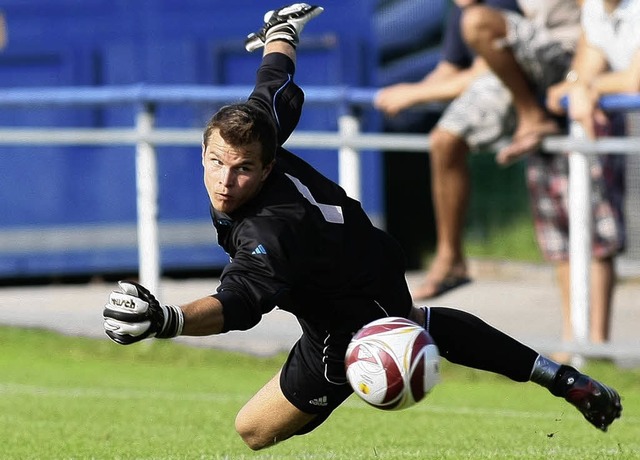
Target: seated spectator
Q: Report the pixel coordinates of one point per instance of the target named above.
(528, 54)
(478, 115)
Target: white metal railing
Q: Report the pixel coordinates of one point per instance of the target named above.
(580, 238)
(348, 140)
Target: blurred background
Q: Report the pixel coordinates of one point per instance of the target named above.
(70, 211)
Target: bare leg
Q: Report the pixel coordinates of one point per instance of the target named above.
(602, 283)
(450, 190)
(563, 274)
(269, 418)
(482, 28)
(603, 279)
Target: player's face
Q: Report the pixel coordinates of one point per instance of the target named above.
(232, 175)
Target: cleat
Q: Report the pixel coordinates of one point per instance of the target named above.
(599, 403)
(285, 24)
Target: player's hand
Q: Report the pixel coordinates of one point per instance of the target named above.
(285, 23)
(133, 314)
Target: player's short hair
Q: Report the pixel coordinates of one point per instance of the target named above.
(242, 124)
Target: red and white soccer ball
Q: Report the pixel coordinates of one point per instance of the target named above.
(392, 363)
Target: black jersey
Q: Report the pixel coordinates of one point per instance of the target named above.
(301, 243)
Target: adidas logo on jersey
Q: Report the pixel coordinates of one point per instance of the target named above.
(259, 250)
(321, 401)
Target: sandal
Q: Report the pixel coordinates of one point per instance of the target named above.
(431, 289)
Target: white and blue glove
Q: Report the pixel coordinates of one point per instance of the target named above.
(133, 314)
(285, 23)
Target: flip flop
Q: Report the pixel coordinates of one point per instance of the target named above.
(445, 285)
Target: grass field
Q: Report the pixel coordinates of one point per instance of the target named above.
(77, 398)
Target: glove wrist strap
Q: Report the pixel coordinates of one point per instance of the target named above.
(284, 32)
(173, 322)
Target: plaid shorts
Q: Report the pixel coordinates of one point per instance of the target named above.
(548, 184)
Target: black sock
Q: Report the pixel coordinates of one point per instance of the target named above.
(563, 381)
(465, 339)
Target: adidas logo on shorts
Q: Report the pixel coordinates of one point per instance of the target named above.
(322, 401)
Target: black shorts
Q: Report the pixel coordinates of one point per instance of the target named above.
(313, 379)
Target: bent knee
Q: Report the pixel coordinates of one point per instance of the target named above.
(256, 435)
(476, 22)
(446, 146)
(440, 139)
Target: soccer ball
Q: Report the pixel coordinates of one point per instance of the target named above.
(392, 363)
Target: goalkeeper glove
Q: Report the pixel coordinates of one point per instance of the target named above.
(133, 314)
(285, 24)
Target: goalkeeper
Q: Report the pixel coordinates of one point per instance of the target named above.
(299, 243)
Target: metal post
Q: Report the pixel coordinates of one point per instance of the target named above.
(349, 158)
(147, 202)
(580, 235)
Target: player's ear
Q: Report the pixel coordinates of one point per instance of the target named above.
(203, 150)
(267, 169)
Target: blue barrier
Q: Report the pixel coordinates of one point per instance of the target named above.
(178, 94)
(170, 94)
(173, 94)
(627, 102)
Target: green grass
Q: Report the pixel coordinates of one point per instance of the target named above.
(499, 220)
(76, 398)
(513, 240)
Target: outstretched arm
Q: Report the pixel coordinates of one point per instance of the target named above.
(275, 90)
(446, 82)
